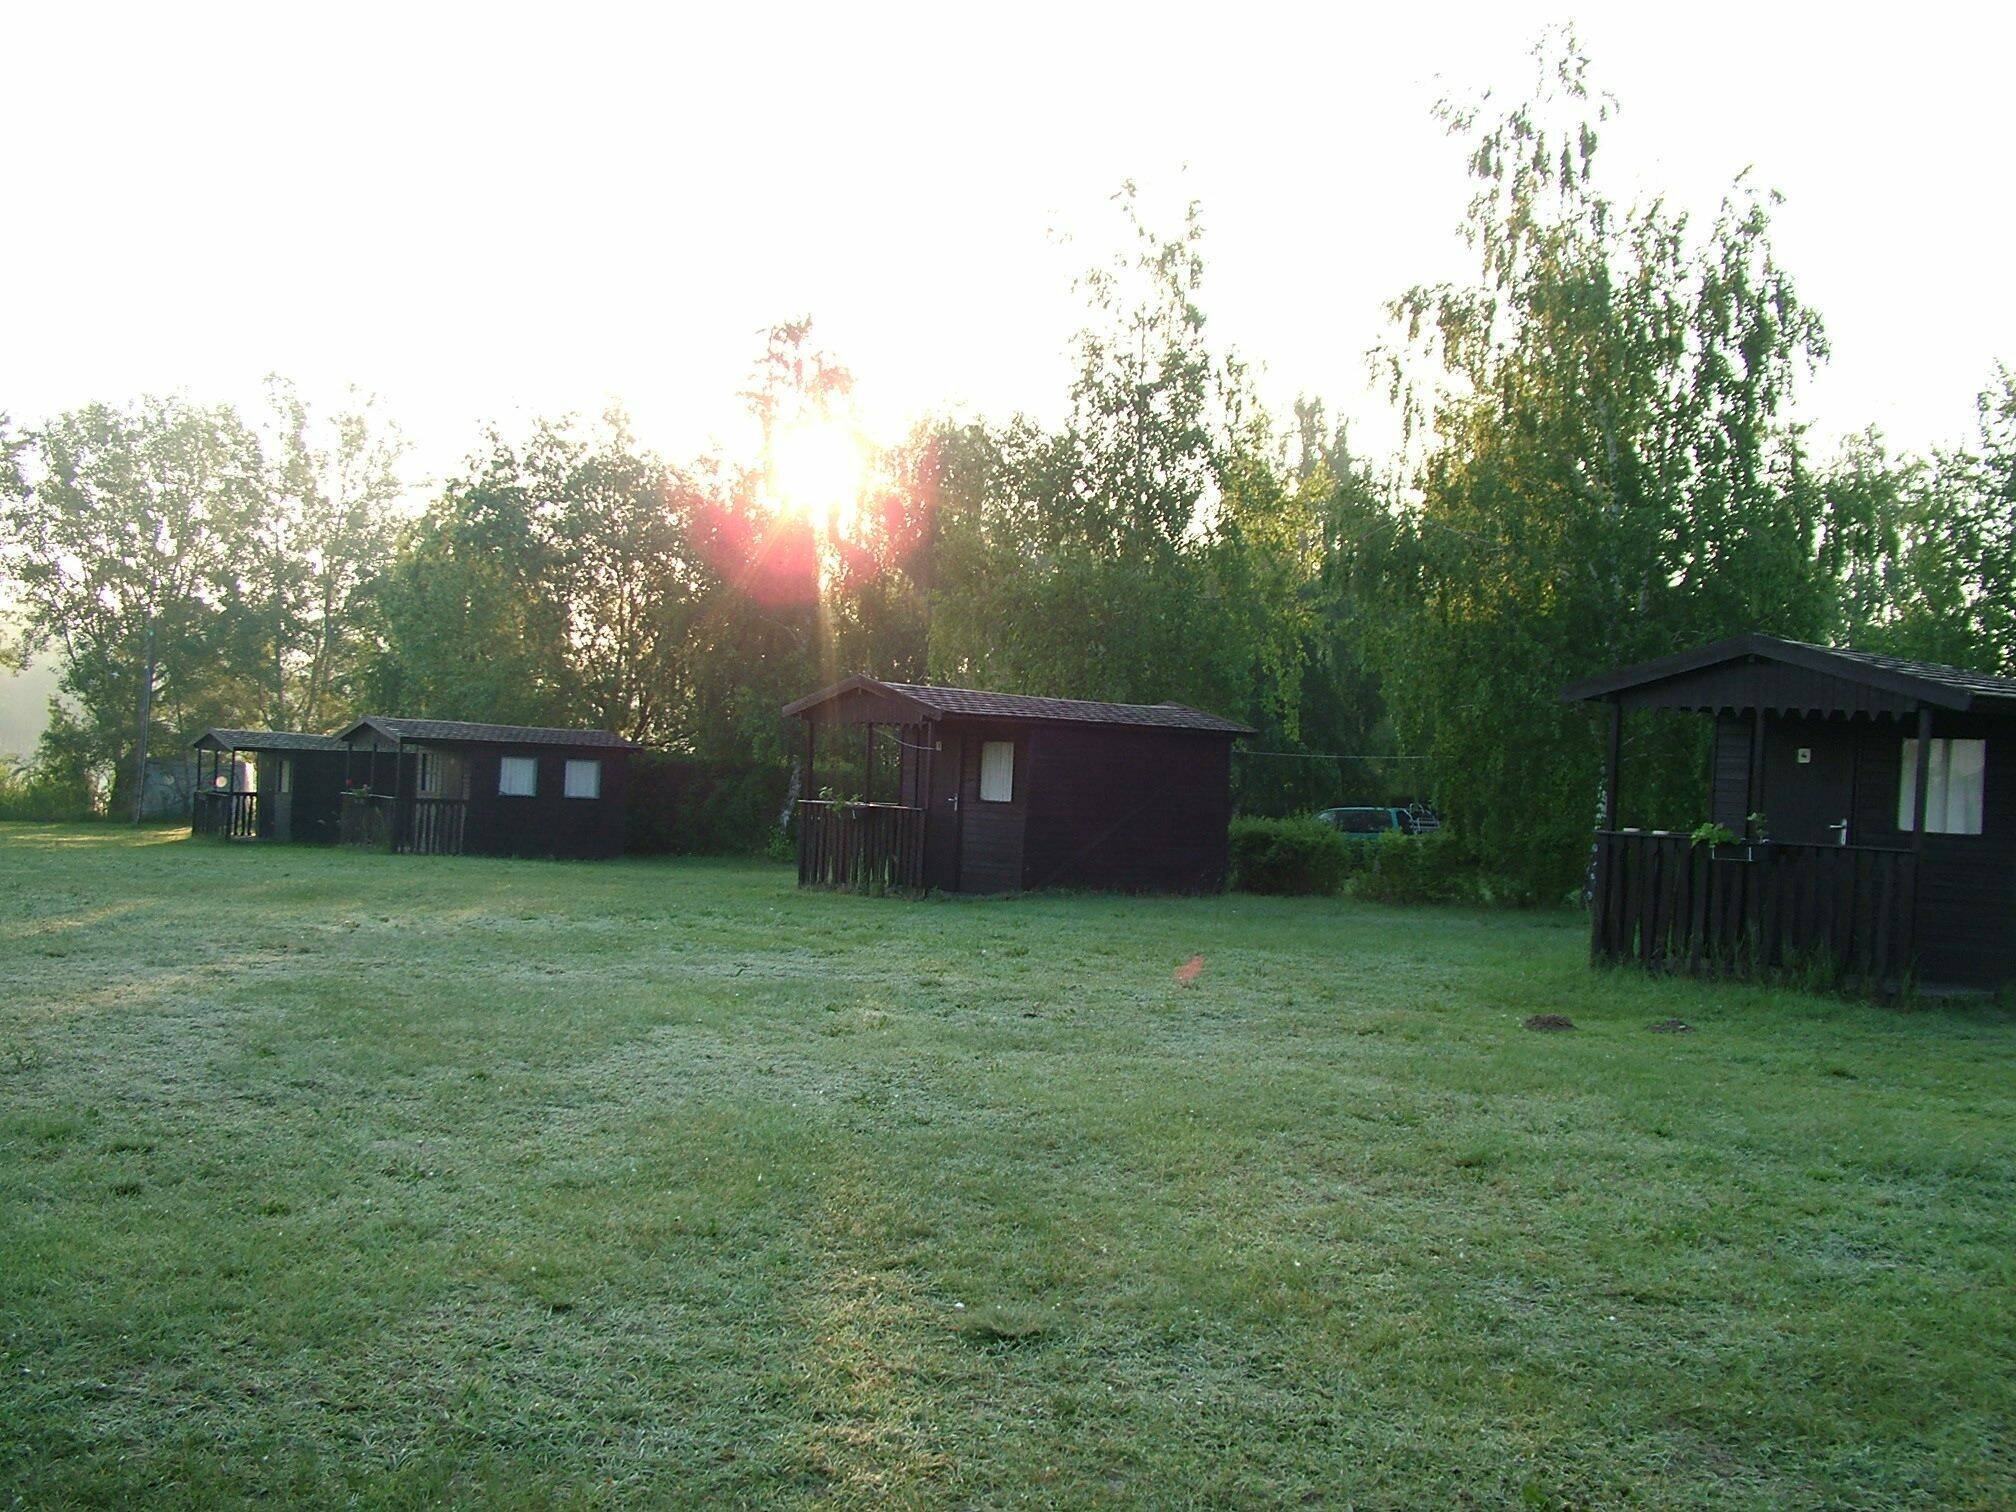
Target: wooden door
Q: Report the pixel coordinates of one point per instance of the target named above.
(283, 799)
(940, 779)
(1809, 801)
(990, 824)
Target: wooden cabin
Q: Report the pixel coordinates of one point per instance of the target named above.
(267, 785)
(1886, 847)
(1000, 792)
(445, 787)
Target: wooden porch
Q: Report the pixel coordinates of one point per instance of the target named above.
(861, 847)
(408, 826)
(225, 815)
(1839, 913)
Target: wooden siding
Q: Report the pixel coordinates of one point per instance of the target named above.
(1665, 902)
(1966, 884)
(548, 824)
(991, 835)
(1131, 810)
(1729, 802)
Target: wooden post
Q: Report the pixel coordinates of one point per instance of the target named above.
(811, 756)
(1756, 773)
(1924, 776)
(868, 762)
(398, 790)
(1612, 762)
(1909, 955)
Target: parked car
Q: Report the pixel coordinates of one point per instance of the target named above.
(1370, 823)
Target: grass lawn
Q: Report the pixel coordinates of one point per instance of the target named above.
(328, 1175)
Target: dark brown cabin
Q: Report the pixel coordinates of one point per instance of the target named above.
(1886, 847)
(999, 793)
(268, 785)
(445, 787)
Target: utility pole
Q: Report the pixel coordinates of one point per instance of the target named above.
(146, 718)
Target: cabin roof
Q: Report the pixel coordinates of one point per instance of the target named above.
(972, 703)
(217, 739)
(1928, 682)
(457, 731)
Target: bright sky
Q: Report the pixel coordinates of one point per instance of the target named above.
(493, 211)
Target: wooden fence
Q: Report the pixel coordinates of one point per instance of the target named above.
(366, 820)
(863, 847)
(1845, 913)
(228, 816)
(434, 826)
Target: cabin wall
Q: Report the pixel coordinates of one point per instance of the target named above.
(1128, 809)
(991, 836)
(1966, 919)
(318, 795)
(547, 824)
(1729, 792)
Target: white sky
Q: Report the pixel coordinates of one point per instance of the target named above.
(491, 211)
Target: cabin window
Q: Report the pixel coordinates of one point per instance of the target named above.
(518, 776)
(997, 771)
(1955, 776)
(430, 774)
(286, 775)
(584, 779)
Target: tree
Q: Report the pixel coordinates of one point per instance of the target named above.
(1149, 550)
(1610, 473)
(314, 556)
(122, 543)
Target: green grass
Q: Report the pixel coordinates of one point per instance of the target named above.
(330, 1176)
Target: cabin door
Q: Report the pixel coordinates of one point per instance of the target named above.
(941, 810)
(1810, 801)
(992, 785)
(283, 798)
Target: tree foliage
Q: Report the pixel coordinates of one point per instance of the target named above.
(1611, 471)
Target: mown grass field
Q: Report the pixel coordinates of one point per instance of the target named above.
(331, 1176)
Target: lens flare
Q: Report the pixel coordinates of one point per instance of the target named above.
(817, 472)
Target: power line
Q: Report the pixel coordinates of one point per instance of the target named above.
(1329, 755)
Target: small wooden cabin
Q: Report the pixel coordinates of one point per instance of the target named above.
(1886, 845)
(446, 787)
(267, 785)
(999, 792)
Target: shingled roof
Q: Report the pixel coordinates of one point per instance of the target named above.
(974, 703)
(452, 731)
(1929, 682)
(267, 740)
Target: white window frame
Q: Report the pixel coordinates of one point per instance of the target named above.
(593, 767)
(507, 764)
(997, 771)
(1956, 783)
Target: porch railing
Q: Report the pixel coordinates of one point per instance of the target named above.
(434, 826)
(862, 847)
(365, 819)
(228, 816)
(1839, 912)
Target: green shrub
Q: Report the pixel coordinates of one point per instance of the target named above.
(1428, 868)
(1288, 856)
(43, 794)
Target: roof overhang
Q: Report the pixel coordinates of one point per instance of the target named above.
(871, 690)
(1767, 648)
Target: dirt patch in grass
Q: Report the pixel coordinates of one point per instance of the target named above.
(1672, 1026)
(1545, 1021)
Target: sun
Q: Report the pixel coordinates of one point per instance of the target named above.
(817, 471)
